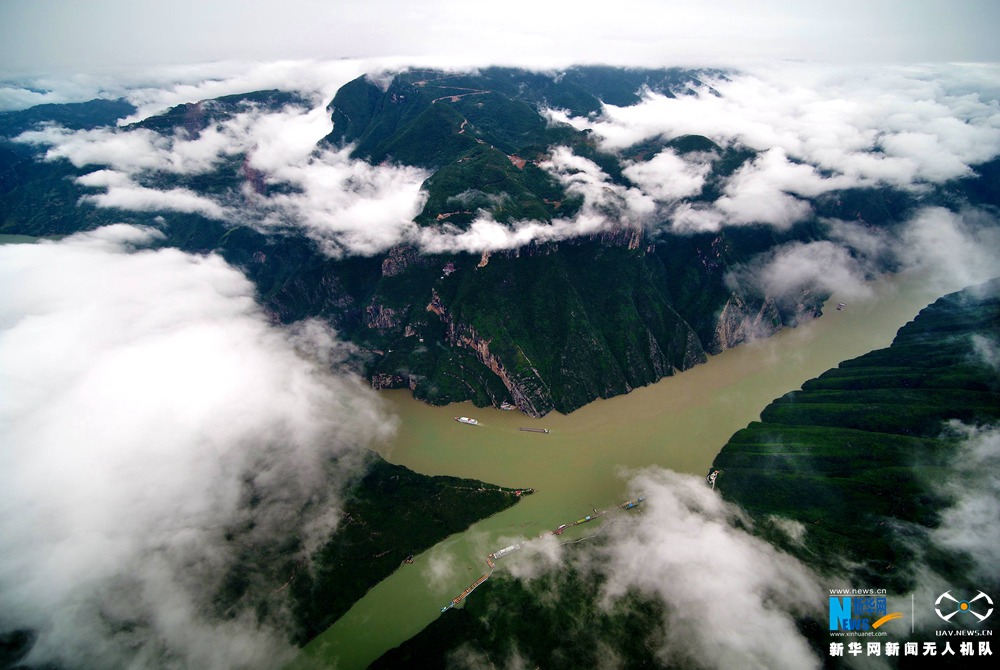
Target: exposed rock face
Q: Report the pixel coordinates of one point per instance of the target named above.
(529, 392)
(382, 318)
(741, 322)
(626, 236)
(254, 177)
(398, 259)
(382, 380)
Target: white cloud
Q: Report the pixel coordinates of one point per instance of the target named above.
(485, 234)
(951, 250)
(796, 268)
(731, 599)
(439, 569)
(347, 205)
(927, 123)
(132, 197)
(144, 395)
(817, 130)
(970, 524)
(273, 139)
(667, 176)
(601, 197)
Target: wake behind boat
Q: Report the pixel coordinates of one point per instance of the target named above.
(465, 419)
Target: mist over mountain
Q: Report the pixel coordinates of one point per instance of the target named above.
(236, 260)
(540, 238)
(878, 472)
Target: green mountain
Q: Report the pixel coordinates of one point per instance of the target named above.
(859, 456)
(389, 514)
(549, 325)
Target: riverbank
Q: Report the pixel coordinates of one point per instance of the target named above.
(679, 423)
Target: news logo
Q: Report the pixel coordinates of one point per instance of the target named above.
(952, 606)
(859, 613)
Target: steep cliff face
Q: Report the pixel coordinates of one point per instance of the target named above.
(556, 325)
(526, 387)
(398, 259)
(381, 318)
(740, 322)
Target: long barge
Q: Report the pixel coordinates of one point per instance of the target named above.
(464, 594)
(500, 553)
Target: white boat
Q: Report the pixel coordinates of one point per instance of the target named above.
(465, 419)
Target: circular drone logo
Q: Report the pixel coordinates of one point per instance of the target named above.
(963, 606)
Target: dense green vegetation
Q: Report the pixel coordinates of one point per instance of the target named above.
(858, 455)
(390, 514)
(553, 621)
(551, 325)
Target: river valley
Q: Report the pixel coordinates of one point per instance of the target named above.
(582, 464)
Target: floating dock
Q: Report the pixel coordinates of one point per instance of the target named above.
(464, 594)
(500, 553)
(506, 550)
(629, 504)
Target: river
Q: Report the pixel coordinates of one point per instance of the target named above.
(679, 423)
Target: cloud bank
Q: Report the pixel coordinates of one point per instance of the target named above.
(969, 525)
(730, 598)
(153, 425)
(807, 131)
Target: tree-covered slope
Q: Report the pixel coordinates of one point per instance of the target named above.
(548, 325)
(553, 621)
(862, 457)
(861, 454)
(389, 514)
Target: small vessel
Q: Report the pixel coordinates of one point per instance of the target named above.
(506, 550)
(841, 306)
(629, 504)
(467, 420)
(535, 430)
(506, 406)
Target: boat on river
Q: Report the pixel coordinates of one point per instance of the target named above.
(466, 420)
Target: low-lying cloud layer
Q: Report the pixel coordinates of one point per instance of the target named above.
(812, 130)
(147, 404)
(817, 130)
(732, 599)
(970, 524)
(729, 598)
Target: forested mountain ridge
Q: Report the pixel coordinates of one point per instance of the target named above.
(547, 324)
(865, 454)
(854, 475)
